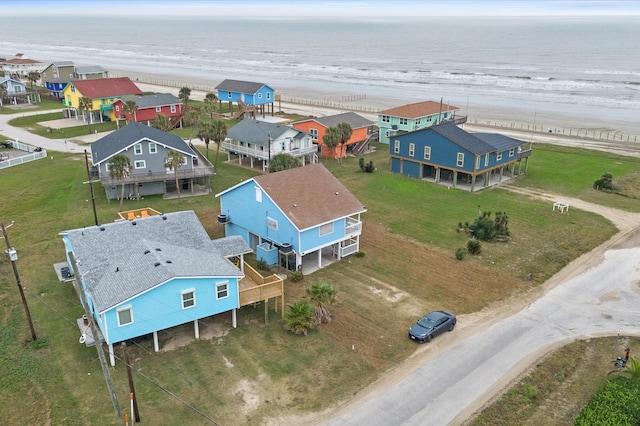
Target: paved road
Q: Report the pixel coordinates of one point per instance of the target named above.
(600, 298)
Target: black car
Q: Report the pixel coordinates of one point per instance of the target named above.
(431, 325)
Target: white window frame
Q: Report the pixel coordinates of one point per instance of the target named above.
(404, 121)
(259, 95)
(153, 148)
(272, 223)
(417, 122)
(427, 153)
(268, 95)
(325, 229)
(173, 108)
(460, 159)
(158, 109)
(313, 132)
(396, 146)
(258, 195)
(117, 108)
(499, 156)
(222, 287)
(123, 309)
(137, 149)
(412, 149)
(192, 299)
(386, 119)
(512, 151)
(140, 164)
(486, 160)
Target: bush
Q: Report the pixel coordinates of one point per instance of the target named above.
(296, 276)
(359, 254)
(605, 183)
(487, 229)
(262, 265)
(474, 247)
(368, 168)
(461, 253)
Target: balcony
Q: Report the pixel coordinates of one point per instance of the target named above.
(260, 153)
(352, 227)
(256, 288)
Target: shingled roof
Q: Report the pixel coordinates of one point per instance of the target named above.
(420, 109)
(150, 101)
(309, 195)
(106, 147)
(121, 260)
(258, 132)
(106, 87)
(462, 138)
(354, 120)
(239, 86)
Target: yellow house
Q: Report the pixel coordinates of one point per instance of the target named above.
(103, 92)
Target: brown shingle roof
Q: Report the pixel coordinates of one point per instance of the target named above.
(420, 109)
(309, 195)
(106, 87)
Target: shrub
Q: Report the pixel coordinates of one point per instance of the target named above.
(296, 276)
(461, 253)
(605, 183)
(474, 247)
(486, 229)
(262, 265)
(359, 254)
(368, 167)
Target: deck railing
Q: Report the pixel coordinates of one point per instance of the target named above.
(262, 154)
(266, 288)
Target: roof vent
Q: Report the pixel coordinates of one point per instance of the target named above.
(134, 223)
(158, 249)
(169, 261)
(102, 228)
(156, 264)
(337, 193)
(164, 217)
(147, 251)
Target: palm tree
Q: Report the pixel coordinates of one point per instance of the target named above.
(161, 122)
(321, 294)
(190, 119)
(120, 169)
(344, 134)
(3, 93)
(299, 317)
(331, 139)
(283, 161)
(631, 369)
(86, 105)
(184, 94)
(206, 134)
(173, 162)
(130, 107)
(219, 134)
(210, 103)
(33, 76)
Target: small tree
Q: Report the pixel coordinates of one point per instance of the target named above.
(33, 76)
(184, 94)
(173, 162)
(368, 167)
(605, 183)
(461, 253)
(130, 107)
(161, 122)
(86, 105)
(344, 134)
(486, 229)
(211, 103)
(120, 169)
(474, 247)
(283, 161)
(299, 317)
(321, 294)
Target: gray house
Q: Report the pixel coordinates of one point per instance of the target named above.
(148, 148)
(259, 140)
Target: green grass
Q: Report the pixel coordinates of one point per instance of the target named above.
(59, 381)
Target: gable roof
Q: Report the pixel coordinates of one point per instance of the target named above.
(90, 69)
(15, 82)
(354, 120)
(136, 256)
(258, 132)
(60, 64)
(499, 142)
(106, 87)
(309, 195)
(462, 138)
(151, 101)
(419, 109)
(113, 143)
(239, 86)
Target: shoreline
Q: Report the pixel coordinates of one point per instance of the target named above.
(319, 103)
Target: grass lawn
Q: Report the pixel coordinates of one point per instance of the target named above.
(259, 371)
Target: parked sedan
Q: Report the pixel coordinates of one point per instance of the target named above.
(431, 325)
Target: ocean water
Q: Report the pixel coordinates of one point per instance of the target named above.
(588, 66)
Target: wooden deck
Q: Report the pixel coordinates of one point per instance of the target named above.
(256, 288)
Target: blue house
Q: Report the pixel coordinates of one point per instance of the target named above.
(302, 217)
(153, 273)
(447, 154)
(257, 95)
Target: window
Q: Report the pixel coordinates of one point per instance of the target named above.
(427, 153)
(73, 89)
(499, 156)
(313, 133)
(417, 123)
(477, 162)
(140, 164)
(222, 290)
(188, 298)
(258, 195)
(137, 149)
(511, 152)
(404, 121)
(396, 146)
(385, 119)
(229, 95)
(259, 95)
(326, 229)
(460, 159)
(173, 108)
(153, 148)
(125, 316)
(486, 160)
(268, 95)
(117, 108)
(412, 149)
(158, 109)
(272, 224)
(388, 133)
(429, 119)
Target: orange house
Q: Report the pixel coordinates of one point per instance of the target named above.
(317, 128)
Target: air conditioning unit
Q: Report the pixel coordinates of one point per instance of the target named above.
(394, 127)
(223, 219)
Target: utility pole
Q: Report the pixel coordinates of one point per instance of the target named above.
(93, 196)
(13, 256)
(132, 390)
(97, 335)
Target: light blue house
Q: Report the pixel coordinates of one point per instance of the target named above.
(253, 94)
(16, 91)
(302, 217)
(447, 154)
(150, 274)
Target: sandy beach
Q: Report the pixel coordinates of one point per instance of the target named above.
(311, 102)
